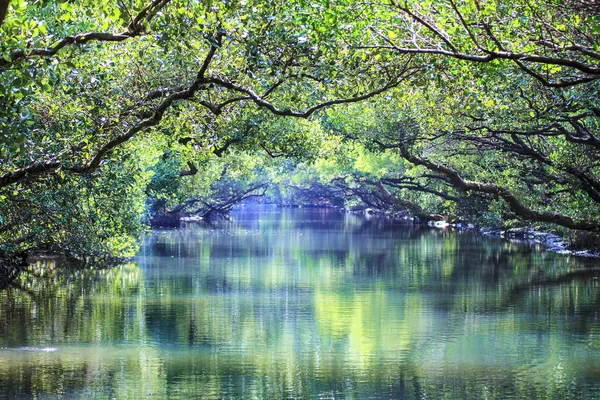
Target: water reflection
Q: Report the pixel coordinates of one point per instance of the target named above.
(308, 303)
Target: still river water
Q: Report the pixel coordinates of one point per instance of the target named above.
(308, 304)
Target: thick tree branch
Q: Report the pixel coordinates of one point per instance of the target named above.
(496, 55)
(414, 186)
(192, 170)
(261, 102)
(224, 205)
(516, 145)
(573, 56)
(496, 191)
(134, 29)
(219, 151)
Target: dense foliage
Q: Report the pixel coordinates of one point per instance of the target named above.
(485, 111)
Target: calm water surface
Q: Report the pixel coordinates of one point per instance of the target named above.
(308, 304)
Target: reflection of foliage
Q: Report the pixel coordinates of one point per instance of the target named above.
(43, 288)
(10, 269)
(251, 301)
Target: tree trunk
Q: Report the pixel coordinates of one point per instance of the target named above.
(3, 10)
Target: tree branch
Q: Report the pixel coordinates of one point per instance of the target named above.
(496, 191)
(261, 102)
(4, 4)
(54, 165)
(134, 29)
(193, 170)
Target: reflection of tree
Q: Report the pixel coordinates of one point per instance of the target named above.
(73, 309)
(81, 304)
(539, 281)
(277, 308)
(10, 268)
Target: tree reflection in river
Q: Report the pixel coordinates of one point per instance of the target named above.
(305, 303)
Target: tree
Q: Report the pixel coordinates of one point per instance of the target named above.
(84, 84)
(121, 107)
(554, 42)
(523, 127)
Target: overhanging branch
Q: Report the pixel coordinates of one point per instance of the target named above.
(42, 168)
(134, 29)
(496, 191)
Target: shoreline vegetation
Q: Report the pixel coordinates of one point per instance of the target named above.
(426, 126)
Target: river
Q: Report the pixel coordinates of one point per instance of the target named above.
(308, 303)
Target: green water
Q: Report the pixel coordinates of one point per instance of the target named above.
(308, 304)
